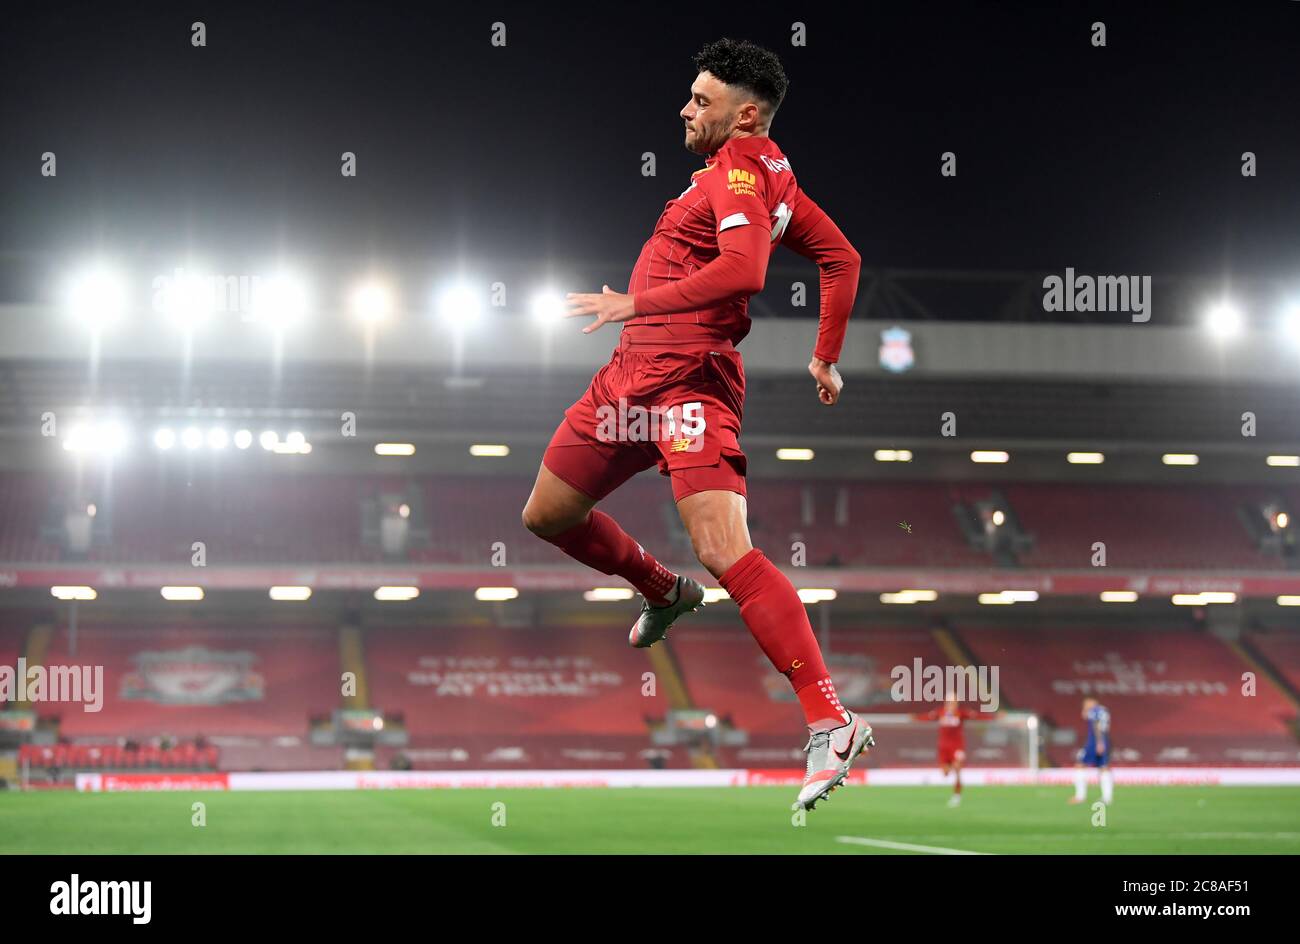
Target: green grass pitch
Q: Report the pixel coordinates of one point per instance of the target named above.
(688, 820)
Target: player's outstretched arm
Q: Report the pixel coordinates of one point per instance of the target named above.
(813, 235)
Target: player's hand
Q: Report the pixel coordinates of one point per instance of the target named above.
(829, 381)
(608, 307)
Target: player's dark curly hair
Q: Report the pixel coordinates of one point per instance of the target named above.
(742, 63)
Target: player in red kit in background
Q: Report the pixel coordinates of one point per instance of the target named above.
(952, 739)
(683, 314)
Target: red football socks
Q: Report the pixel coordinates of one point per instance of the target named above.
(776, 617)
(602, 545)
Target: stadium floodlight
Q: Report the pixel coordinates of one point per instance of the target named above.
(547, 307)
(1021, 596)
(186, 299)
(795, 455)
(907, 597)
(893, 455)
(279, 301)
(394, 449)
(182, 594)
(459, 305)
(495, 594)
(1119, 596)
(295, 439)
(1085, 458)
(999, 517)
(372, 302)
(496, 450)
(404, 510)
(1224, 320)
(816, 594)
(607, 594)
(192, 437)
(1289, 324)
(91, 510)
(269, 439)
(1284, 462)
(1281, 520)
(97, 297)
(1180, 458)
(1203, 598)
(994, 599)
(291, 594)
(990, 455)
(243, 439)
(103, 439)
(164, 438)
(925, 596)
(73, 593)
(218, 438)
(715, 594)
(1288, 599)
(396, 594)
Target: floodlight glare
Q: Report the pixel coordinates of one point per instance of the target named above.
(547, 307)
(1224, 320)
(186, 300)
(279, 301)
(459, 306)
(97, 297)
(372, 303)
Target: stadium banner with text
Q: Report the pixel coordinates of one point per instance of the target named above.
(753, 777)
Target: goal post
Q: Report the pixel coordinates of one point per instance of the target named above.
(1009, 740)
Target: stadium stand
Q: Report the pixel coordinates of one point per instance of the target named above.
(273, 519)
(187, 682)
(1172, 694)
(1282, 650)
(488, 697)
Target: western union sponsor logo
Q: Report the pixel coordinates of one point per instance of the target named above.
(736, 175)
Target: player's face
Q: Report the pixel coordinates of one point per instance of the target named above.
(709, 115)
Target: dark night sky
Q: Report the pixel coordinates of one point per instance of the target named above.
(1123, 159)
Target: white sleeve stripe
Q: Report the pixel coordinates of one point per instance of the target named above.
(736, 219)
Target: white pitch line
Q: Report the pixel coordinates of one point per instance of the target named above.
(904, 846)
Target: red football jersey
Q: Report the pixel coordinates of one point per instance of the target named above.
(747, 182)
(951, 736)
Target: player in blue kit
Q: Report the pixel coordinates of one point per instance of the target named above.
(1094, 753)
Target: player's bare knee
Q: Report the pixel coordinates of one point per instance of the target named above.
(539, 522)
(546, 522)
(715, 556)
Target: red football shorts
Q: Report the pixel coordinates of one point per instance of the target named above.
(948, 755)
(674, 404)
